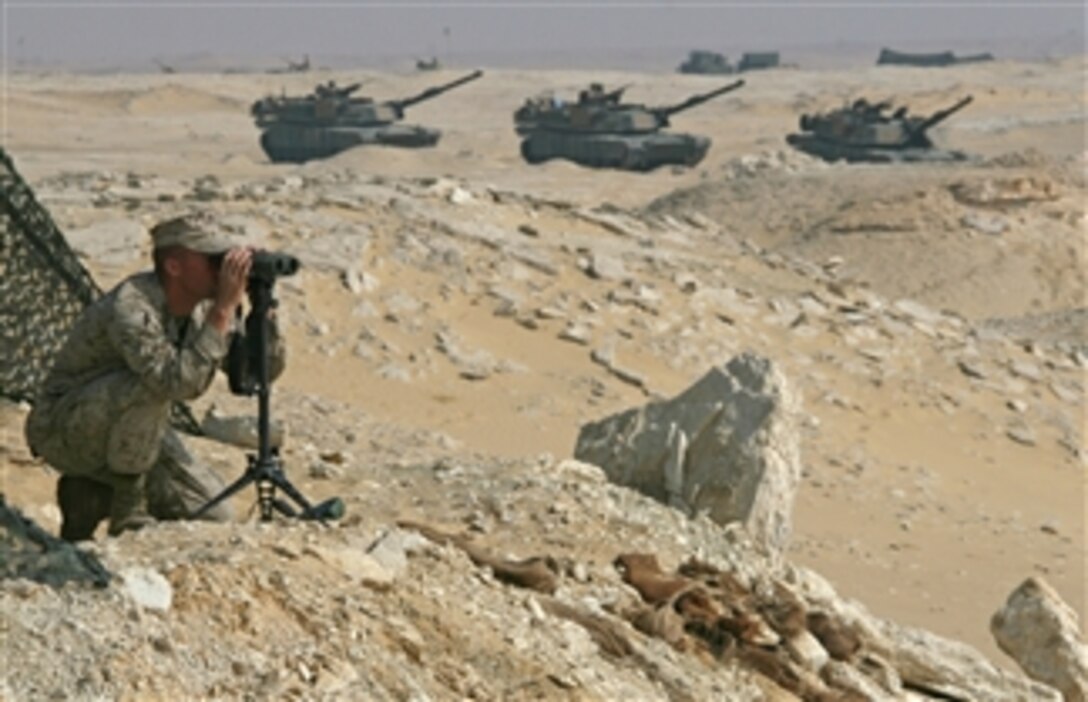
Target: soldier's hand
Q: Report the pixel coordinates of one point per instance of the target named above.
(233, 275)
(230, 290)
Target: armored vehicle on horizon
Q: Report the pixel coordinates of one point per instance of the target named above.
(330, 120)
(293, 66)
(706, 63)
(602, 131)
(864, 132)
(940, 58)
(758, 60)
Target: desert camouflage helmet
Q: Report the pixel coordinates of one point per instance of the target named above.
(197, 231)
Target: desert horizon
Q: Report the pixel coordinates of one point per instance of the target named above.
(814, 55)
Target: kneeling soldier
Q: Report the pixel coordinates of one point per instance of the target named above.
(102, 415)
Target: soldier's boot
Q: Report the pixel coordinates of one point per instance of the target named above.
(128, 509)
(83, 503)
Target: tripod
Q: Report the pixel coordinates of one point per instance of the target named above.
(249, 354)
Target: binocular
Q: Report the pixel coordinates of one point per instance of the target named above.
(267, 265)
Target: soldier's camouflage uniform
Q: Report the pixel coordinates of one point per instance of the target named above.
(105, 406)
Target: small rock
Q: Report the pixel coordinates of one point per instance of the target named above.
(987, 225)
(1017, 405)
(1026, 370)
(460, 196)
(604, 267)
(323, 470)
(971, 370)
(147, 588)
(1021, 434)
(575, 333)
(686, 282)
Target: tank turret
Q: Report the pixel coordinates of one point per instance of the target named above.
(866, 132)
(332, 119)
(600, 130)
(595, 94)
(321, 106)
(330, 89)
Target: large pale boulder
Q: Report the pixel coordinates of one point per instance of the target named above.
(728, 445)
(1042, 634)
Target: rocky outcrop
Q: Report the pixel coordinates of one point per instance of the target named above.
(805, 638)
(364, 609)
(1042, 634)
(924, 662)
(727, 446)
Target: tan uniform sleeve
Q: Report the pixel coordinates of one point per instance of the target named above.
(170, 372)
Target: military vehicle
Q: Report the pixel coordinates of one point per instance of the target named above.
(758, 60)
(706, 63)
(330, 120)
(427, 64)
(941, 58)
(293, 66)
(864, 132)
(602, 131)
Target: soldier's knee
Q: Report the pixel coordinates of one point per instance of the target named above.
(135, 439)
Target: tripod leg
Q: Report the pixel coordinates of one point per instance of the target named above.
(333, 508)
(234, 487)
(281, 481)
(284, 507)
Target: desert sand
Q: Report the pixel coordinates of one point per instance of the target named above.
(944, 451)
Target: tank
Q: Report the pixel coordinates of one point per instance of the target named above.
(331, 120)
(599, 130)
(865, 132)
(293, 66)
(706, 63)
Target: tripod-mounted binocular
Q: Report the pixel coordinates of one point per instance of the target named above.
(248, 372)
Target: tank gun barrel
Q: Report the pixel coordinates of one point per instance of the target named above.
(434, 91)
(348, 89)
(941, 115)
(666, 112)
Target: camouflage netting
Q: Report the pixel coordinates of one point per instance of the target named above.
(28, 551)
(43, 289)
(43, 286)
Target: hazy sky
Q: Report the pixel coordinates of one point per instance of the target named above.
(122, 31)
